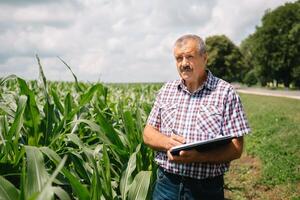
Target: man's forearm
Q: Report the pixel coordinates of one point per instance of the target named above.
(160, 142)
(154, 139)
(223, 154)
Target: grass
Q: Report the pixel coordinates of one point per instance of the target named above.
(272, 149)
(275, 138)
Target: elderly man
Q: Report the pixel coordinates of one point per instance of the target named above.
(197, 107)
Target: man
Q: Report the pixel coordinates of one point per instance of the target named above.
(200, 106)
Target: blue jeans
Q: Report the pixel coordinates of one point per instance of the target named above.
(173, 187)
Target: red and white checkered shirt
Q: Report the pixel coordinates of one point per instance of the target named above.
(214, 109)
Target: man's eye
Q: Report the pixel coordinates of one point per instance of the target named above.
(179, 59)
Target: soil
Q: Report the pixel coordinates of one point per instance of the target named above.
(242, 181)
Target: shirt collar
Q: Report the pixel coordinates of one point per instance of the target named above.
(210, 83)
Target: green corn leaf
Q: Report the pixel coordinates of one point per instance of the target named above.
(87, 96)
(123, 137)
(77, 187)
(140, 185)
(48, 107)
(107, 128)
(23, 179)
(9, 77)
(139, 121)
(50, 154)
(106, 176)
(67, 105)
(42, 75)
(3, 129)
(78, 88)
(47, 191)
(15, 128)
(19, 154)
(57, 101)
(18, 118)
(126, 178)
(62, 195)
(37, 175)
(129, 125)
(96, 191)
(75, 139)
(80, 167)
(32, 112)
(6, 109)
(48, 122)
(7, 190)
(95, 127)
(44, 81)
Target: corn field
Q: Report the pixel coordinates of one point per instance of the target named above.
(61, 140)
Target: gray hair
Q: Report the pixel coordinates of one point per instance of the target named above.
(183, 39)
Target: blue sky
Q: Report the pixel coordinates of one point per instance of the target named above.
(114, 40)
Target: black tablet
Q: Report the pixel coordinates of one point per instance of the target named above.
(203, 145)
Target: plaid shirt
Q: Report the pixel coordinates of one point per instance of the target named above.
(214, 109)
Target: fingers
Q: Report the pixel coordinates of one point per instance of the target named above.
(170, 156)
(183, 153)
(173, 140)
(184, 156)
(178, 159)
(178, 138)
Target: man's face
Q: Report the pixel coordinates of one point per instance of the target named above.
(190, 63)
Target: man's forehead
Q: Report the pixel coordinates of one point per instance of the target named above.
(188, 47)
(186, 42)
(183, 50)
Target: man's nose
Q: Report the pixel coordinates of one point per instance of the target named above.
(185, 61)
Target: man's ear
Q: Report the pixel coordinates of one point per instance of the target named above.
(205, 57)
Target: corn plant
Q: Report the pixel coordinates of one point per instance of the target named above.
(74, 140)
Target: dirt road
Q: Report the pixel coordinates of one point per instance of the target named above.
(269, 92)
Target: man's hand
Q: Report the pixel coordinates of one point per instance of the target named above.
(173, 141)
(221, 154)
(185, 156)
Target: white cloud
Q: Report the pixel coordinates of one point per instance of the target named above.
(237, 18)
(114, 40)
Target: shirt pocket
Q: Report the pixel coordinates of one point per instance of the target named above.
(168, 114)
(209, 122)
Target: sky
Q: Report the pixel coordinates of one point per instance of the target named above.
(114, 40)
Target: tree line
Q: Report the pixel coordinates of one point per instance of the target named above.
(270, 55)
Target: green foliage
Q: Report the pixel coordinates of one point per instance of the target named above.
(126, 178)
(250, 78)
(74, 140)
(36, 176)
(140, 185)
(274, 48)
(7, 190)
(225, 59)
(275, 124)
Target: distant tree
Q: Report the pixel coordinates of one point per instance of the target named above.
(274, 48)
(225, 59)
(294, 37)
(251, 72)
(250, 78)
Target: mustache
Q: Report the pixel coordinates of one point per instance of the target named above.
(185, 68)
